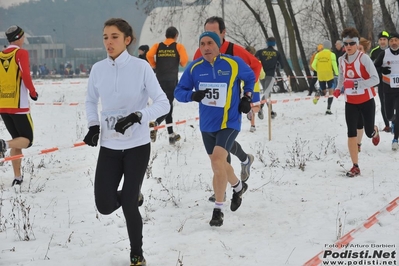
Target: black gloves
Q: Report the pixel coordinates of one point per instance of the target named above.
(91, 138)
(386, 70)
(126, 122)
(199, 95)
(34, 98)
(245, 104)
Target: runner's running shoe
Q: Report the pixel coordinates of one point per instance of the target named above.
(355, 171)
(136, 260)
(153, 132)
(395, 145)
(376, 137)
(217, 218)
(246, 168)
(237, 197)
(173, 138)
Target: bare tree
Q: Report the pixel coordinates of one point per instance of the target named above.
(302, 82)
(257, 16)
(306, 24)
(368, 24)
(386, 17)
(356, 10)
(341, 14)
(292, 47)
(329, 17)
(362, 15)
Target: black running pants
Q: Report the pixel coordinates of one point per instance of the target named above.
(111, 166)
(168, 87)
(392, 104)
(381, 95)
(355, 114)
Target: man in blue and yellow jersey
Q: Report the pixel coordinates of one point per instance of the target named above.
(164, 57)
(217, 25)
(15, 88)
(325, 64)
(216, 80)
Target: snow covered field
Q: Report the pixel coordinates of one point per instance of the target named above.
(288, 215)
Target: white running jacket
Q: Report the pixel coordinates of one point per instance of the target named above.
(123, 86)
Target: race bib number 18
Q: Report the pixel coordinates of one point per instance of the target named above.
(108, 121)
(216, 95)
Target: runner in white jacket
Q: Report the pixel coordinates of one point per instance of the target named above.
(123, 84)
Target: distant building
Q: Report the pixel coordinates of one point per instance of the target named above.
(43, 50)
(40, 47)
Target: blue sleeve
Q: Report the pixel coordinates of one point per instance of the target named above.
(184, 89)
(246, 74)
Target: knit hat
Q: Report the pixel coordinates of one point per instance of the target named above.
(327, 44)
(271, 41)
(144, 48)
(212, 35)
(383, 34)
(394, 35)
(320, 47)
(14, 33)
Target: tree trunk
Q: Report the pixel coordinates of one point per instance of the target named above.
(356, 11)
(329, 18)
(292, 27)
(257, 18)
(386, 17)
(367, 31)
(341, 14)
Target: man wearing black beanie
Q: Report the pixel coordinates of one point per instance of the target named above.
(143, 49)
(382, 45)
(16, 87)
(388, 64)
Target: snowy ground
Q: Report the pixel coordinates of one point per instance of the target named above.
(287, 217)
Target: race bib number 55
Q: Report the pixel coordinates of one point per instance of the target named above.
(216, 95)
(108, 121)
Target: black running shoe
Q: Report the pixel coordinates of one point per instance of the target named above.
(237, 197)
(174, 138)
(141, 199)
(17, 182)
(137, 260)
(217, 218)
(153, 132)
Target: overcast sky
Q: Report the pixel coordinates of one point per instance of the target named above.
(7, 3)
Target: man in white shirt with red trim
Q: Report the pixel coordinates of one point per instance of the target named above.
(388, 62)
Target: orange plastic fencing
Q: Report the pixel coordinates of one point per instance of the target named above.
(44, 151)
(351, 235)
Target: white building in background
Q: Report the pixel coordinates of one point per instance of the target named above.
(189, 30)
